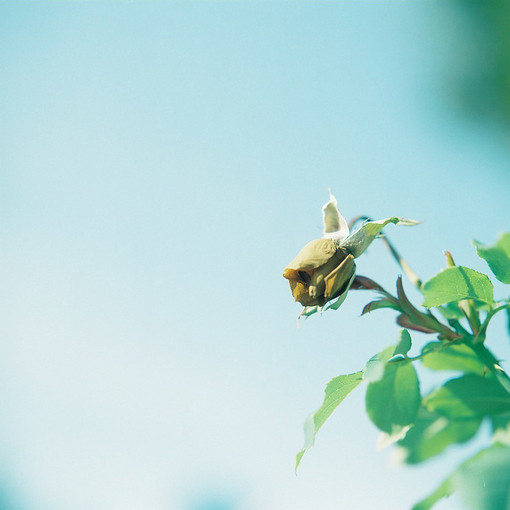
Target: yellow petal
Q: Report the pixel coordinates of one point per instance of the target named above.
(316, 253)
(301, 294)
(339, 278)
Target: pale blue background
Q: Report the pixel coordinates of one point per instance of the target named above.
(161, 163)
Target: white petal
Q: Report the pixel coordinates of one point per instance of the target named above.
(335, 226)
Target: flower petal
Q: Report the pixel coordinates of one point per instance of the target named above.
(335, 226)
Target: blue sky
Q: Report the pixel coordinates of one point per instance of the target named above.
(162, 162)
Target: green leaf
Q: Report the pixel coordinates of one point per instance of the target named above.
(453, 356)
(445, 490)
(404, 344)
(360, 240)
(455, 284)
(468, 397)
(336, 391)
(393, 401)
(501, 429)
(508, 320)
(433, 433)
(374, 368)
(497, 256)
(484, 482)
(452, 311)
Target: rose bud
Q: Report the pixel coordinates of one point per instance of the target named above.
(324, 269)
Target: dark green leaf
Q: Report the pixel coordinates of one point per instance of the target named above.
(501, 429)
(468, 397)
(497, 256)
(393, 401)
(453, 356)
(432, 433)
(484, 482)
(457, 283)
(452, 311)
(336, 391)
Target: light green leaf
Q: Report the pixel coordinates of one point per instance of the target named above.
(451, 311)
(360, 240)
(393, 401)
(455, 284)
(432, 433)
(445, 490)
(497, 256)
(484, 482)
(468, 397)
(454, 356)
(501, 429)
(336, 391)
(404, 344)
(374, 368)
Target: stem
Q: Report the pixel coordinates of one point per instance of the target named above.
(480, 337)
(440, 347)
(490, 362)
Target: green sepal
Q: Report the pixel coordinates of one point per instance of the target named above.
(360, 240)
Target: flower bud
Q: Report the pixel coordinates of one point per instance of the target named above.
(322, 271)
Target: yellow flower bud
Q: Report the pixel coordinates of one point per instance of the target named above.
(321, 271)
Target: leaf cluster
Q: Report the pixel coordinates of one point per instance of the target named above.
(458, 306)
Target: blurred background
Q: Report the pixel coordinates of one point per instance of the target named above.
(161, 163)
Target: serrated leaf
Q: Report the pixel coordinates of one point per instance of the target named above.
(454, 356)
(468, 397)
(393, 401)
(336, 391)
(360, 240)
(433, 433)
(455, 284)
(497, 257)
